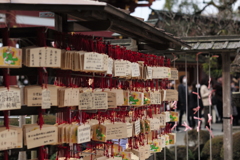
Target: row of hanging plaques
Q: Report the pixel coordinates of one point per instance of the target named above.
(82, 61)
(84, 98)
(32, 136)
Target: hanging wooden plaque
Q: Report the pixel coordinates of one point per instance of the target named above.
(10, 57)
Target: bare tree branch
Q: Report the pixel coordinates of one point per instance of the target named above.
(199, 12)
(219, 7)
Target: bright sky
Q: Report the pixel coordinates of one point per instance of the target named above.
(144, 12)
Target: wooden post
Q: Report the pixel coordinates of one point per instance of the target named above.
(61, 22)
(227, 127)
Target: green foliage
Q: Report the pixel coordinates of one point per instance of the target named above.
(169, 4)
(181, 153)
(217, 144)
(49, 119)
(193, 137)
(185, 6)
(236, 147)
(191, 154)
(169, 154)
(53, 157)
(215, 67)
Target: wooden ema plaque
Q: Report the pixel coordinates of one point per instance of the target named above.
(10, 57)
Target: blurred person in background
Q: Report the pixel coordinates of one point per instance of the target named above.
(205, 92)
(181, 105)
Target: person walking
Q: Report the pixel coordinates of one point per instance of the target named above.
(181, 105)
(205, 92)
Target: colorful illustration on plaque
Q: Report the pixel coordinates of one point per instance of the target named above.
(135, 99)
(147, 98)
(154, 147)
(174, 116)
(116, 149)
(147, 126)
(10, 56)
(169, 72)
(99, 133)
(132, 100)
(167, 143)
(126, 156)
(171, 138)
